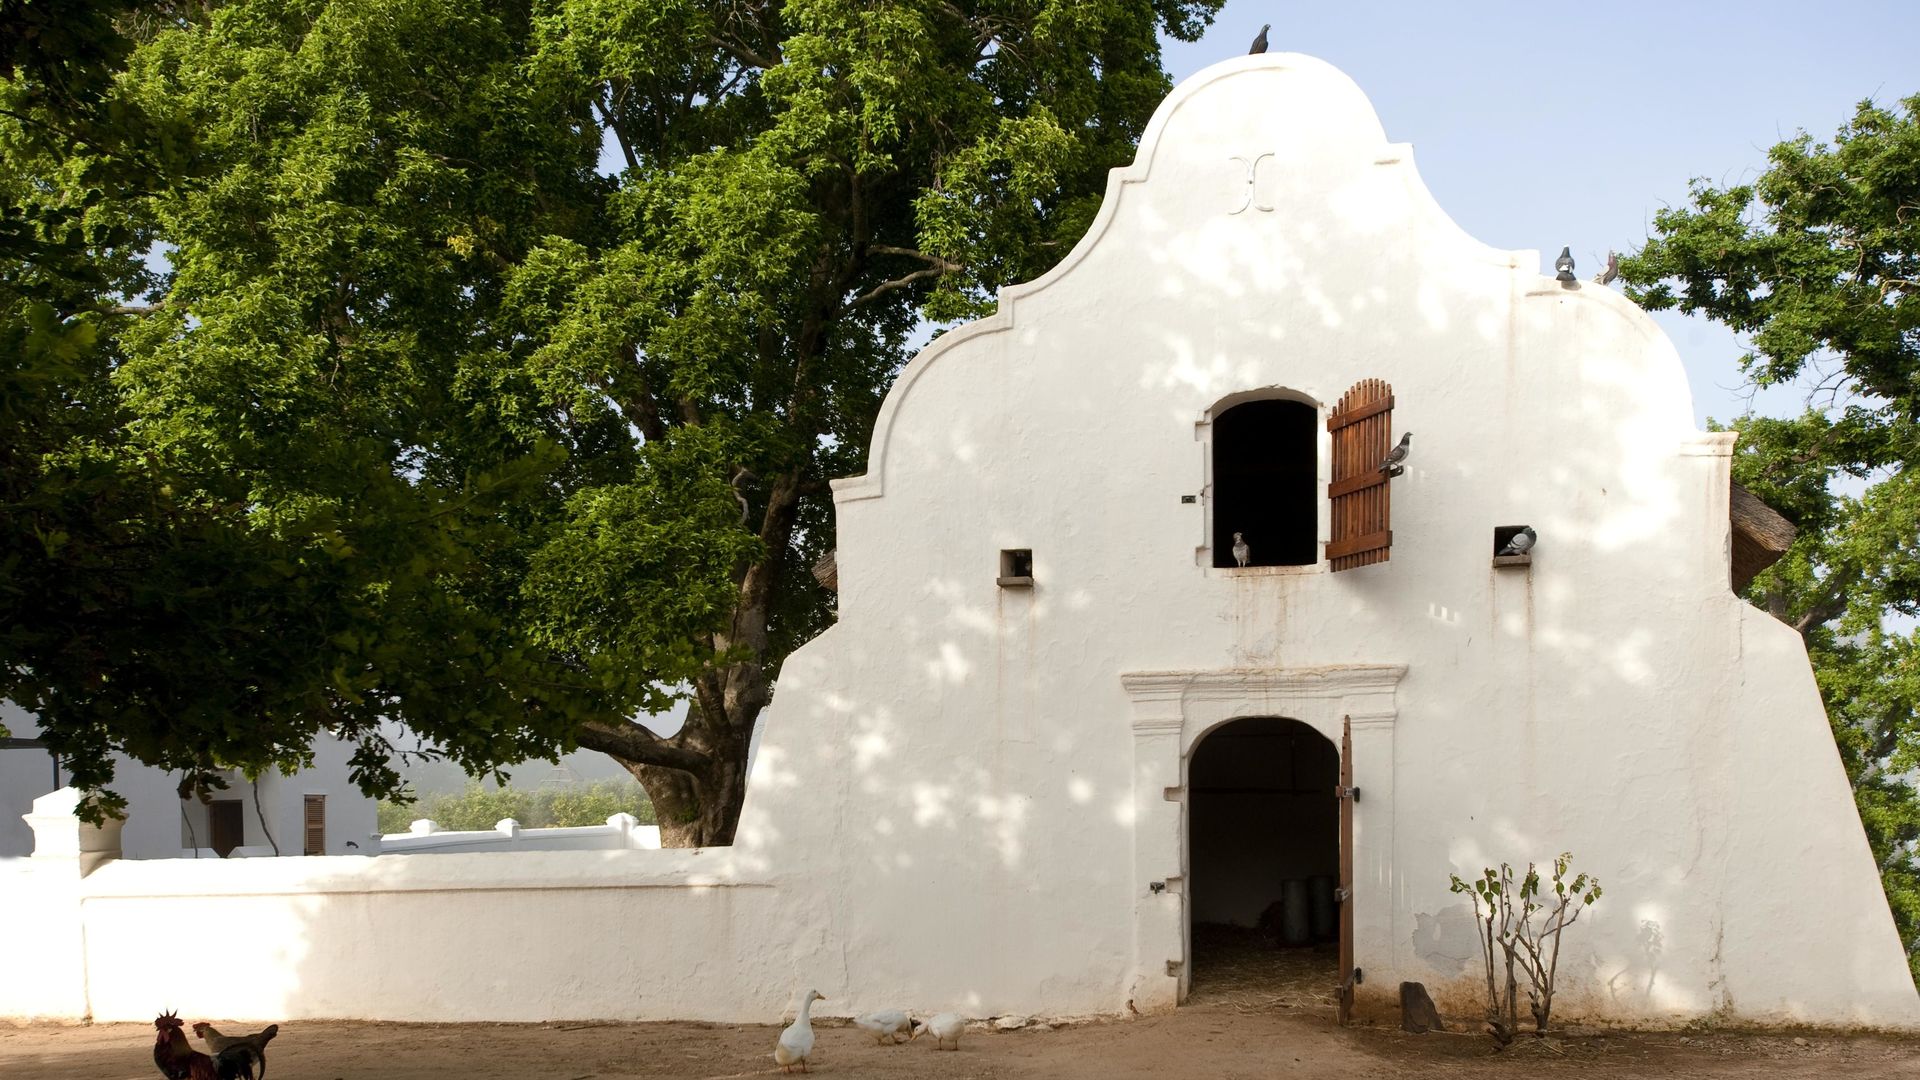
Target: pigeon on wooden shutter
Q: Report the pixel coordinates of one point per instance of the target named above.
(1362, 425)
(1391, 463)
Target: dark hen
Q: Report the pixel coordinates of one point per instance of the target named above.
(178, 1060)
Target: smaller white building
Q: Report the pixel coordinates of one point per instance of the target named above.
(317, 811)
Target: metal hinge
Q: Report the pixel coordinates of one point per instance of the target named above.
(1342, 895)
(1347, 793)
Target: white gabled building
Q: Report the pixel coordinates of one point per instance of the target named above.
(1056, 726)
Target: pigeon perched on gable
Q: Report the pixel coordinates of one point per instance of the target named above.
(1396, 455)
(1241, 552)
(1564, 267)
(1260, 42)
(1607, 276)
(1520, 543)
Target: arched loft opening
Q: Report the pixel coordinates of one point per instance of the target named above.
(1266, 482)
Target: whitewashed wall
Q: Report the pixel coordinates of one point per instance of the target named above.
(963, 794)
(532, 935)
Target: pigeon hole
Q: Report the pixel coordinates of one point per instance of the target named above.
(1263, 848)
(1502, 534)
(1016, 568)
(1266, 483)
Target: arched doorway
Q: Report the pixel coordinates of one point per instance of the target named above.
(1263, 852)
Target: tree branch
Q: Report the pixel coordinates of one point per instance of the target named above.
(1830, 606)
(900, 283)
(913, 253)
(605, 109)
(742, 53)
(634, 742)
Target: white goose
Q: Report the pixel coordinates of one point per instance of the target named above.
(887, 1025)
(796, 1042)
(946, 1028)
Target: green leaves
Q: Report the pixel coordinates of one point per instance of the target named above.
(479, 808)
(426, 420)
(1817, 260)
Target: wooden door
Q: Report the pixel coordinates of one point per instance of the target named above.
(1349, 974)
(1362, 428)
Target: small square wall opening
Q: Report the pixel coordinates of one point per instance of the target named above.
(1502, 536)
(1016, 568)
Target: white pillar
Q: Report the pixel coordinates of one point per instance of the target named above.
(59, 834)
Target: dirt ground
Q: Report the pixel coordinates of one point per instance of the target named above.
(1256, 1012)
(1215, 1040)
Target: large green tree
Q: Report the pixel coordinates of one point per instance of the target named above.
(1817, 264)
(512, 450)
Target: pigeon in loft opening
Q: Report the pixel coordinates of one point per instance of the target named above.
(1564, 264)
(1241, 552)
(1520, 543)
(1607, 276)
(1260, 42)
(1391, 464)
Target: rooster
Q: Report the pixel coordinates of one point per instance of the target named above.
(178, 1060)
(255, 1043)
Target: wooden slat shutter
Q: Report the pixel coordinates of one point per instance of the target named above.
(316, 822)
(1362, 427)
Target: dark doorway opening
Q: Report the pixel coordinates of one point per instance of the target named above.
(1266, 483)
(1263, 849)
(226, 819)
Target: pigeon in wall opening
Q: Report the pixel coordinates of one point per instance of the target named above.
(1520, 543)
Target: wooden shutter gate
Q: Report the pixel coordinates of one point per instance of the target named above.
(1362, 427)
(316, 826)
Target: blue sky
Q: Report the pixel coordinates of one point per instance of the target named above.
(1542, 125)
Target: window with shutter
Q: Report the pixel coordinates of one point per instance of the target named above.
(1362, 427)
(1266, 484)
(316, 826)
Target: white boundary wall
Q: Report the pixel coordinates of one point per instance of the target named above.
(620, 832)
(537, 935)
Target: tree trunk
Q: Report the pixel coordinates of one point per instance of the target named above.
(695, 809)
